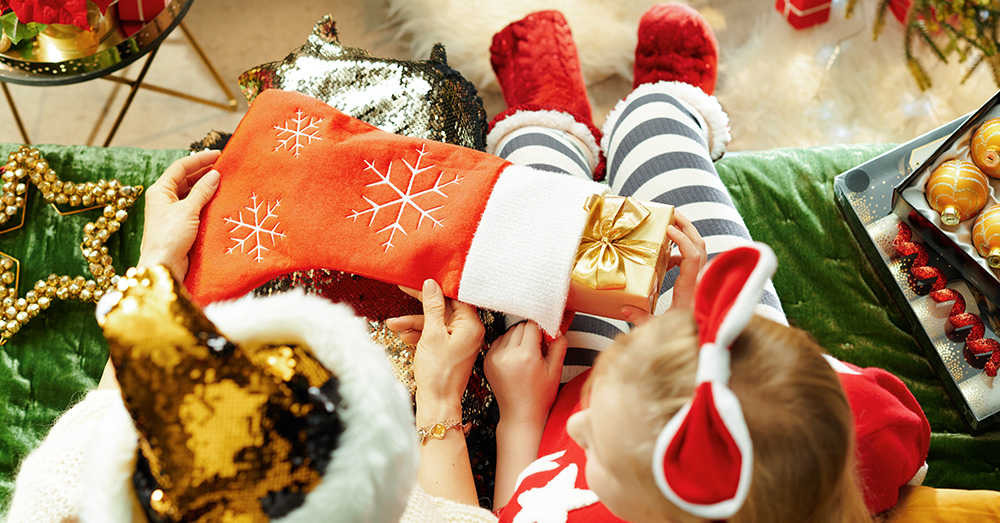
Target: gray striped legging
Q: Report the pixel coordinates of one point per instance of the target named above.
(656, 149)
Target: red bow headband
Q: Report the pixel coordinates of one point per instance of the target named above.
(703, 458)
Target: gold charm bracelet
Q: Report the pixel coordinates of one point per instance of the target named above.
(439, 429)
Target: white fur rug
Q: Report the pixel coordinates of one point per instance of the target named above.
(782, 87)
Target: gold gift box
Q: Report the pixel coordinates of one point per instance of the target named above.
(622, 257)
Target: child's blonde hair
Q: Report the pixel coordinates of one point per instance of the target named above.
(795, 408)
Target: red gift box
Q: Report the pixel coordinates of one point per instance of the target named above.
(140, 10)
(131, 28)
(804, 13)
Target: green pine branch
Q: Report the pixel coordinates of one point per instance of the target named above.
(966, 29)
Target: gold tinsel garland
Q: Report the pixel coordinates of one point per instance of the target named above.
(27, 165)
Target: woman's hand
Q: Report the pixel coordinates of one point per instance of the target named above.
(409, 327)
(449, 338)
(690, 256)
(173, 211)
(524, 375)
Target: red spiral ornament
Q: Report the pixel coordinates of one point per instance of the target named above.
(904, 245)
(957, 317)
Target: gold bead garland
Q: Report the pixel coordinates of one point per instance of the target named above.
(26, 165)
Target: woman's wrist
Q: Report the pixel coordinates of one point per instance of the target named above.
(148, 260)
(433, 411)
(442, 387)
(153, 258)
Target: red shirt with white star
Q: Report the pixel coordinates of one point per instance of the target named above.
(892, 435)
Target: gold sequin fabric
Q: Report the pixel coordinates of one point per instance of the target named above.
(227, 432)
(376, 301)
(420, 98)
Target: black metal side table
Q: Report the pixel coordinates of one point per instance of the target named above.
(61, 60)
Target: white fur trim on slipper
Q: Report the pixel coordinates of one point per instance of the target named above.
(550, 119)
(707, 107)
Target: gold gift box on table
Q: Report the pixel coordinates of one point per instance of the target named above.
(622, 257)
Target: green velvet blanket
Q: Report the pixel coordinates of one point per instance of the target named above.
(824, 280)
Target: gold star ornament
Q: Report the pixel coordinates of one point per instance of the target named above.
(25, 166)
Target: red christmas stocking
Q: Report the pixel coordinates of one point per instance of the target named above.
(305, 186)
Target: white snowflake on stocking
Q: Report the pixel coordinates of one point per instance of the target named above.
(255, 227)
(402, 199)
(298, 132)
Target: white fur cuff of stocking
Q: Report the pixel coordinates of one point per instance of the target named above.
(522, 254)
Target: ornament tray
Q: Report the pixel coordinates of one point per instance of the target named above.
(954, 243)
(866, 194)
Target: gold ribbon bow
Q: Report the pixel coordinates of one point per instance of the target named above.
(600, 259)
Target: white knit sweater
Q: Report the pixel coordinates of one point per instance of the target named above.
(49, 483)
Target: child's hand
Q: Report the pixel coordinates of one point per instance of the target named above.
(449, 338)
(690, 256)
(173, 211)
(691, 259)
(523, 377)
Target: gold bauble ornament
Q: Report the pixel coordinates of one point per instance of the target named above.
(986, 235)
(957, 190)
(985, 147)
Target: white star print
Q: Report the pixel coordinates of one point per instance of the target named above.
(553, 502)
(542, 464)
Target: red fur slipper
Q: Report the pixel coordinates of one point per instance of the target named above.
(676, 44)
(536, 63)
(538, 68)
